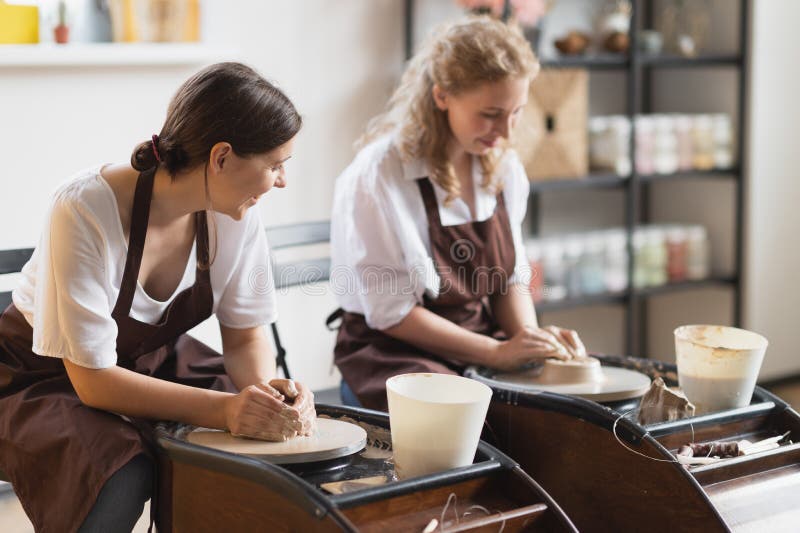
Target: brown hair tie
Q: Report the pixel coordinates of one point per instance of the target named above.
(155, 148)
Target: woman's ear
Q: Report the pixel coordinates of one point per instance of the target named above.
(219, 152)
(439, 97)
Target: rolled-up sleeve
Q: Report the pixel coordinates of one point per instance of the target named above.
(249, 298)
(72, 311)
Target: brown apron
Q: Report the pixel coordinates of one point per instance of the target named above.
(473, 261)
(57, 452)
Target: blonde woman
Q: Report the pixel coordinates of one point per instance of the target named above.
(429, 266)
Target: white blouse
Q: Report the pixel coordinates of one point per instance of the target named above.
(381, 264)
(70, 285)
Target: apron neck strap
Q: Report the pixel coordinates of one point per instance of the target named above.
(140, 215)
(201, 238)
(432, 207)
(429, 199)
(501, 200)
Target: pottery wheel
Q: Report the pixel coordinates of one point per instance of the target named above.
(332, 439)
(617, 384)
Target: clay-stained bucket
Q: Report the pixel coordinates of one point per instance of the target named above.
(436, 421)
(718, 365)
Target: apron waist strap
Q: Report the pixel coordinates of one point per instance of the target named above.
(333, 317)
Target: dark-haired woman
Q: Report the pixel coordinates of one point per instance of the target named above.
(132, 257)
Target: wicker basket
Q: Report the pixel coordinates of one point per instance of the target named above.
(551, 137)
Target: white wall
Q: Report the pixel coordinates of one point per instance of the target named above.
(337, 60)
(773, 255)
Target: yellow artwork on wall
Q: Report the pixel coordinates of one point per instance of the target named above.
(155, 20)
(19, 24)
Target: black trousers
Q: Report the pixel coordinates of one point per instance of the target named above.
(121, 500)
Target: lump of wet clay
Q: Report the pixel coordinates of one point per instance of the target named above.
(662, 404)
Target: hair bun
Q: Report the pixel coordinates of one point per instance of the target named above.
(143, 156)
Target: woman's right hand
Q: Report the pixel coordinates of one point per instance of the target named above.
(259, 412)
(528, 345)
(302, 400)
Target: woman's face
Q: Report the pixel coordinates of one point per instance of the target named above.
(480, 117)
(240, 181)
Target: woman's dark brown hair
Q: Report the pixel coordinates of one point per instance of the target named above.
(226, 102)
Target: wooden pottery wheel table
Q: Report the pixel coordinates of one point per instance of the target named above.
(205, 489)
(566, 443)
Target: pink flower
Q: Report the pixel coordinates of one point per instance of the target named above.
(529, 12)
(495, 6)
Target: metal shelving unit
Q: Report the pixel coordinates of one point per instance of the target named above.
(592, 181)
(725, 174)
(590, 62)
(638, 68)
(621, 297)
(667, 61)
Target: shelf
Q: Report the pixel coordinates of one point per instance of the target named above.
(614, 298)
(592, 181)
(617, 298)
(614, 181)
(621, 62)
(595, 62)
(714, 281)
(717, 173)
(109, 55)
(674, 61)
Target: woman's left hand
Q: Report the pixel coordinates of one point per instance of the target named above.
(301, 399)
(569, 339)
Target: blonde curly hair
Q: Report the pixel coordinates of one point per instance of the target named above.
(457, 57)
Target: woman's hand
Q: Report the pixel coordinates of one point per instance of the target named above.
(302, 400)
(569, 339)
(259, 412)
(532, 344)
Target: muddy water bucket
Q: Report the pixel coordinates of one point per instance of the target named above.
(436, 421)
(718, 365)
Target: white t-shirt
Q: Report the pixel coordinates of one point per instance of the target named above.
(381, 264)
(71, 283)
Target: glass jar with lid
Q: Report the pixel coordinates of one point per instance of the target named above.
(654, 255)
(697, 253)
(723, 141)
(702, 142)
(616, 260)
(592, 272)
(533, 249)
(573, 250)
(677, 246)
(683, 136)
(555, 274)
(620, 134)
(640, 266)
(598, 143)
(666, 145)
(645, 144)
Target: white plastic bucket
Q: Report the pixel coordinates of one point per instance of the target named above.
(436, 421)
(718, 365)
